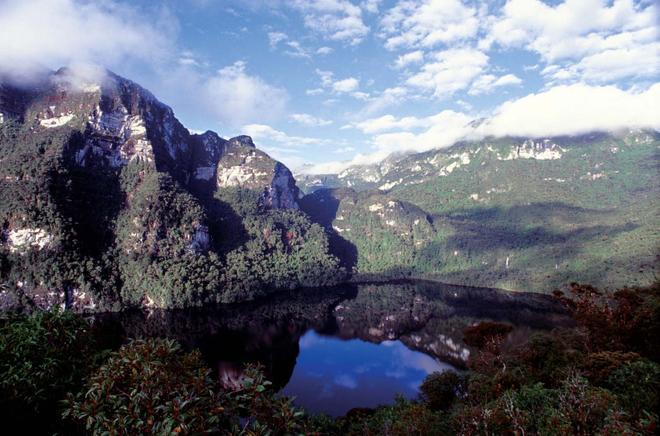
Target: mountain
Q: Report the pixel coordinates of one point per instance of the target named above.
(515, 213)
(108, 201)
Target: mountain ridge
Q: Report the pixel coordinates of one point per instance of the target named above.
(108, 201)
(513, 213)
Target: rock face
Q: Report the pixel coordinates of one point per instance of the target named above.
(244, 166)
(123, 122)
(88, 169)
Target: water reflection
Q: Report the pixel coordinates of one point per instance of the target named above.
(334, 375)
(349, 347)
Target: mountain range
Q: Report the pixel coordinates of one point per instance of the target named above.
(516, 213)
(108, 202)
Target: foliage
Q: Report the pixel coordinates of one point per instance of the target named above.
(595, 378)
(137, 235)
(441, 390)
(41, 358)
(402, 419)
(557, 383)
(149, 387)
(588, 215)
(153, 387)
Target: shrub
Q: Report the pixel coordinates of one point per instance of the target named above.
(441, 389)
(149, 387)
(403, 418)
(636, 384)
(41, 358)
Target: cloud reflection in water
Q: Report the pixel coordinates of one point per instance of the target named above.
(333, 375)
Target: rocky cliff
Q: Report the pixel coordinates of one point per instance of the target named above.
(121, 122)
(107, 200)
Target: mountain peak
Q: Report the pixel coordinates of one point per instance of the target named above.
(243, 140)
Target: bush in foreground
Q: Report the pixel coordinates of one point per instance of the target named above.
(42, 357)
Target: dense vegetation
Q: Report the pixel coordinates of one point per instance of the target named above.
(586, 210)
(600, 377)
(119, 237)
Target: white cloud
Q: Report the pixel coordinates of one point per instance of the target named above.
(270, 136)
(576, 109)
(349, 85)
(295, 49)
(561, 110)
(346, 85)
(371, 6)
(611, 65)
(338, 20)
(488, 82)
(592, 40)
(324, 50)
(346, 381)
(310, 120)
(280, 145)
(427, 23)
(360, 95)
(390, 122)
(449, 71)
(274, 38)
(55, 33)
(314, 91)
(447, 127)
(388, 98)
(414, 57)
(236, 97)
(344, 150)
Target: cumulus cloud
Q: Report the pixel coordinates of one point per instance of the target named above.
(293, 48)
(488, 82)
(53, 33)
(238, 97)
(413, 57)
(274, 38)
(610, 65)
(576, 109)
(427, 23)
(561, 110)
(594, 40)
(229, 97)
(338, 20)
(449, 71)
(390, 122)
(346, 85)
(349, 85)
(388, 98)
(310, 120)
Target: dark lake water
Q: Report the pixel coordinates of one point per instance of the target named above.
(341, 348)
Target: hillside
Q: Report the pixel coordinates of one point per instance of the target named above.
(107, 202)
(515, 213)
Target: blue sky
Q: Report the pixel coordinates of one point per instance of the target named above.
(331, 81)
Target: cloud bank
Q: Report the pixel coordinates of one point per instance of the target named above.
(39, 34)
(561, 110)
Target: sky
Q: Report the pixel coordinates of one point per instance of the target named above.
(321, 84)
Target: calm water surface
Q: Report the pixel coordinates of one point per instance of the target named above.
(358, 346)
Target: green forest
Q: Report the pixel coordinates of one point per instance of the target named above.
(520, 224)
(134, 236)
(60, 374)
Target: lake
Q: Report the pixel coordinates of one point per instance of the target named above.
(343, 348)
